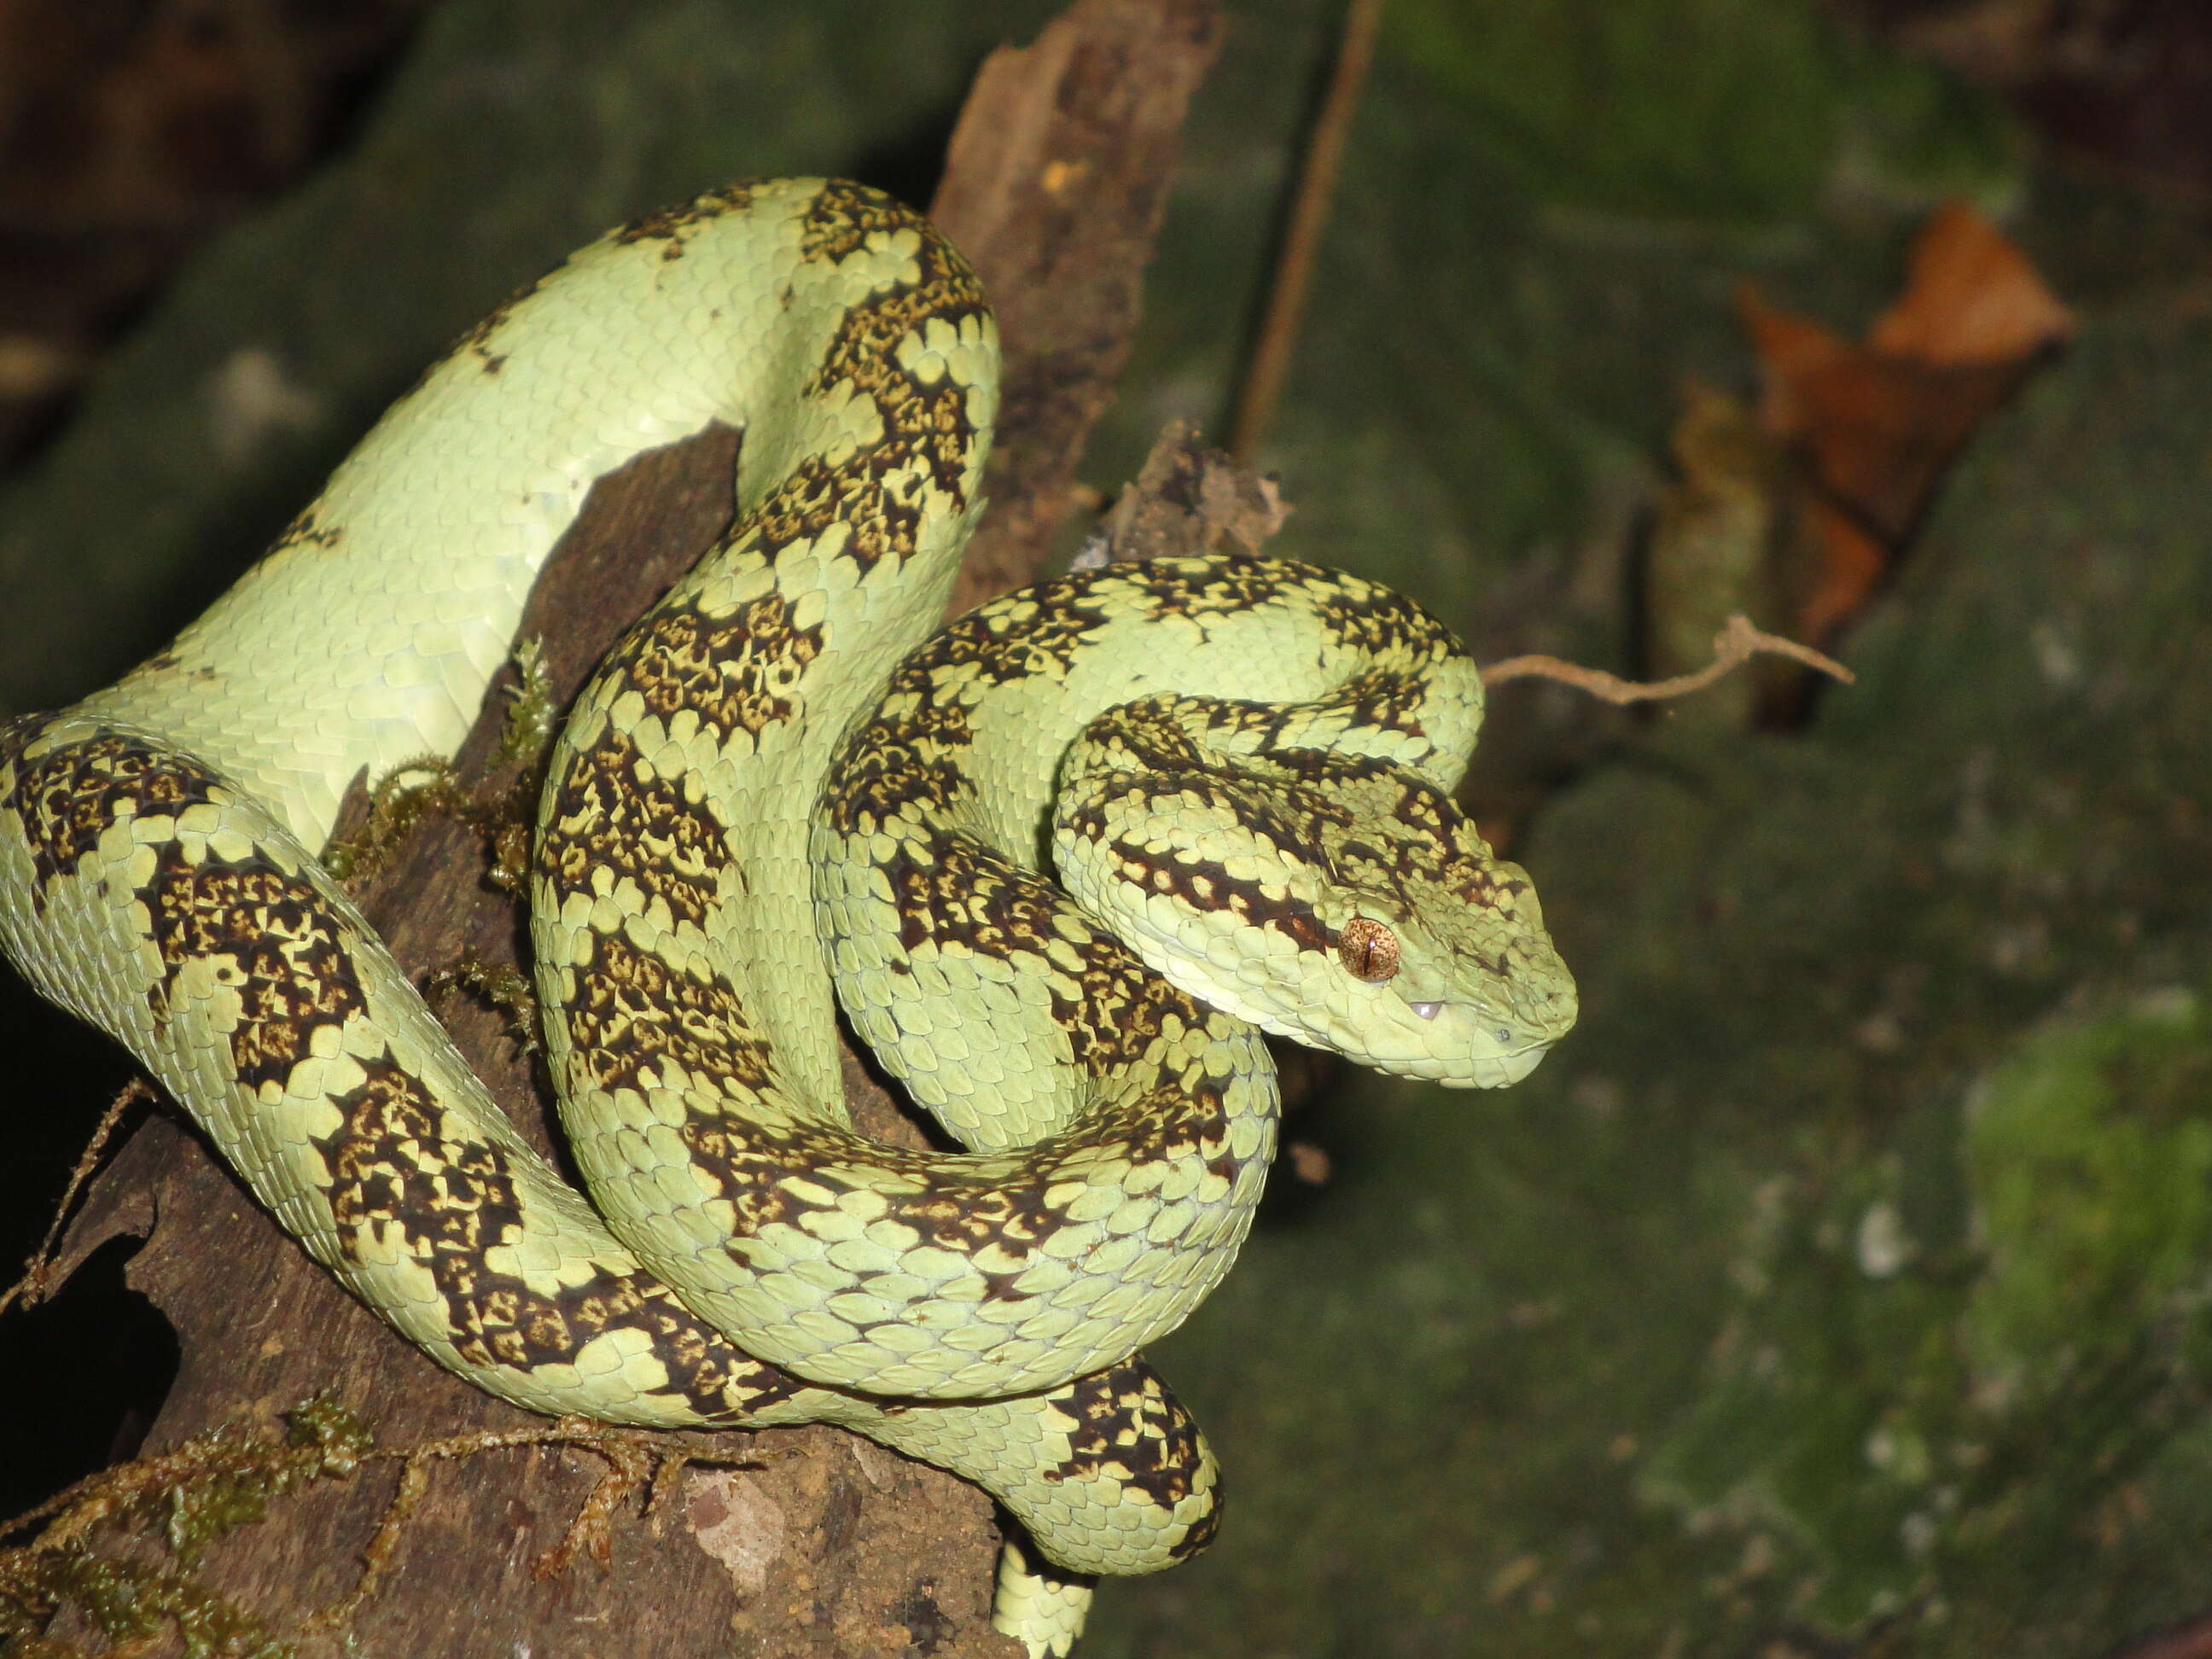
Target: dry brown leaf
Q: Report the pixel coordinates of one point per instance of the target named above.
(1971, 297)
(1875, 425)
(1851, 564)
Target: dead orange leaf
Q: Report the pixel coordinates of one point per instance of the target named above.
(1875, 425)
(1851, 562)
(1877, 430)
(1970, 297)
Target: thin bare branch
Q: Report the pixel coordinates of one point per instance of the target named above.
(1316, 188)
(1737, 643)
(31, 1286)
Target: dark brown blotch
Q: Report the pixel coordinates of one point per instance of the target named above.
(608, 816)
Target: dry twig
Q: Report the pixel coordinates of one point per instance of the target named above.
(1316, 186)
(31, 1287)
(1734, 645)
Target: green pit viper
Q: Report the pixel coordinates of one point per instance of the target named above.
(1238, 768)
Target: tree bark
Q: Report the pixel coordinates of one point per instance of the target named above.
(820, 1544)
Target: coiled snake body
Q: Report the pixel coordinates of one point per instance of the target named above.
(1240, 769)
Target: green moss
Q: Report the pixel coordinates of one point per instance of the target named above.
(402, 799)
(532, 716)
(127, 1602)
(1895, 1410)
(208, 1487)
(2090, 1155)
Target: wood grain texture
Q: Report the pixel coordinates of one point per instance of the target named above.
(1054, 188)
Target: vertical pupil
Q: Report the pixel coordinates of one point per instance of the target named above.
(1368, 950)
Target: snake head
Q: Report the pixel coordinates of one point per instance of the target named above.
(1451, 979)
(1339, 901)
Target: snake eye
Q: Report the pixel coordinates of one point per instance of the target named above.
(1368, 950)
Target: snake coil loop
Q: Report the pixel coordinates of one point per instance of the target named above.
(1252, 762)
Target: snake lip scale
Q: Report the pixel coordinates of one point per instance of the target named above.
(1067, 858)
